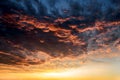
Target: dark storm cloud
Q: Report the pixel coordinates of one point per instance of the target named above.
(55, 28)
(100, 9)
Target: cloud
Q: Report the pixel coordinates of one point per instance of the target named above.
(34, 34)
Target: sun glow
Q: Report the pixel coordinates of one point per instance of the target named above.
(93, 69)
(64, 73)
(85, 72)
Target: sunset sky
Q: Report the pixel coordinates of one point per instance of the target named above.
(59, 39)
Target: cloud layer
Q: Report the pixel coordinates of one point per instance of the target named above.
(41, 30)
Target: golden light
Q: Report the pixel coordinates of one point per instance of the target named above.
(59, 74)
(85, 72)
(105, 69)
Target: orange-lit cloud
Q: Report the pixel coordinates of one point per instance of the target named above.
(51, 39)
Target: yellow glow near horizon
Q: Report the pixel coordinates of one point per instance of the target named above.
(87, 72)
(58, 74)
(94, 69)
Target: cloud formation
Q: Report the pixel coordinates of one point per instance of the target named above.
(42, 30)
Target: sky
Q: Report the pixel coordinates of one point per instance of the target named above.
(56, 37)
